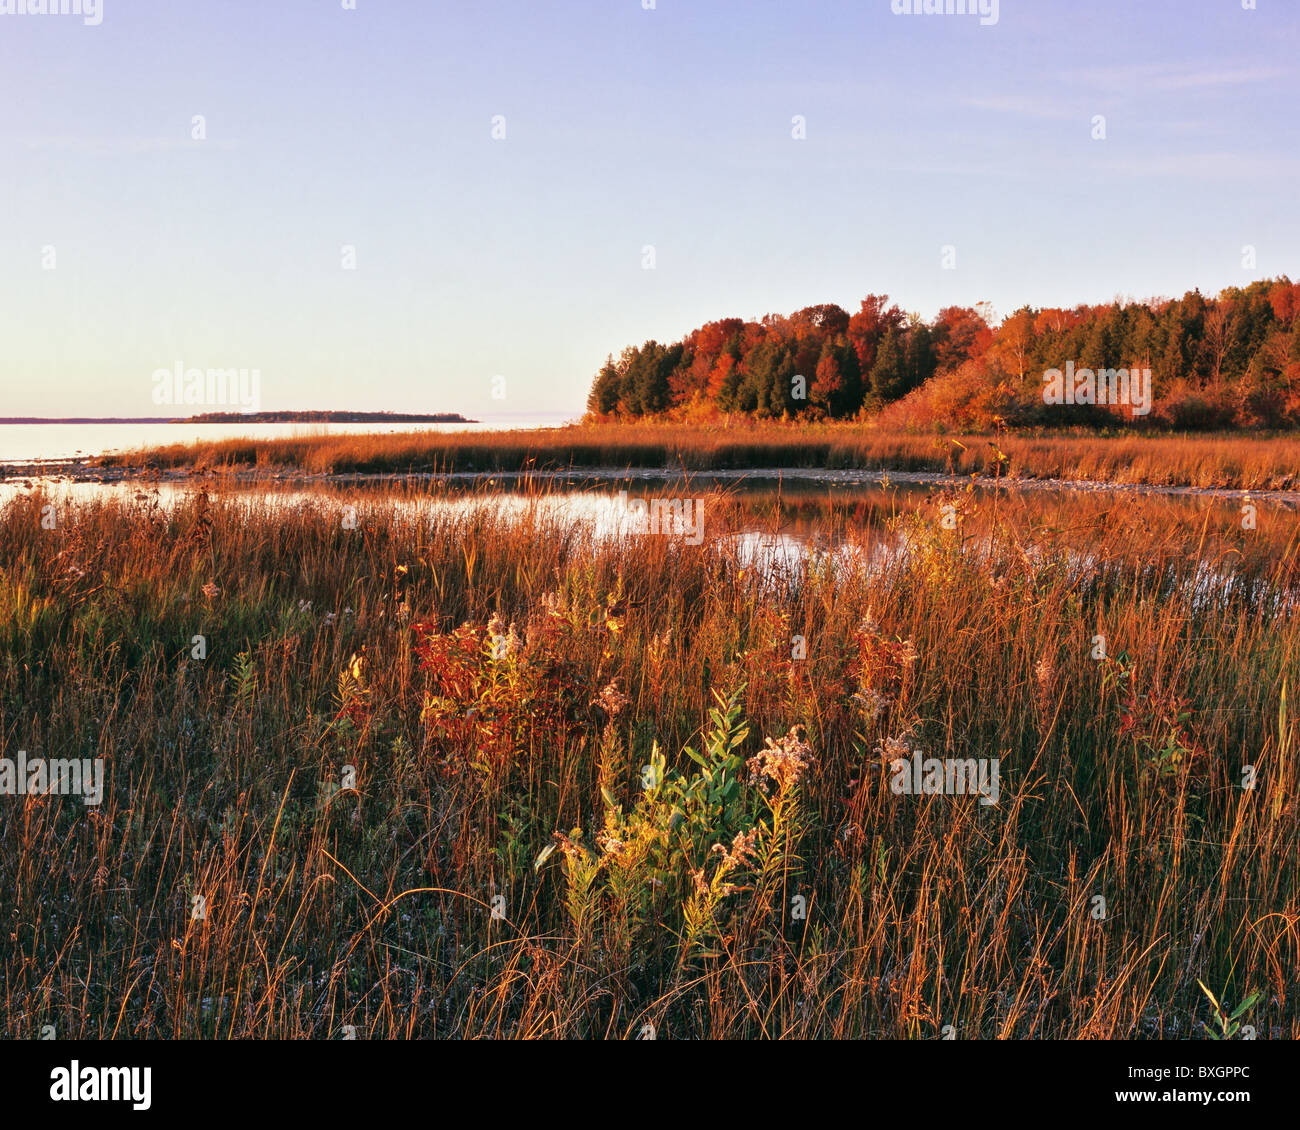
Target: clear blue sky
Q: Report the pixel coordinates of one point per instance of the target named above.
(624, 128)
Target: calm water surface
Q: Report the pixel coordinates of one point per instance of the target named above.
(27, 443)
(853, 527)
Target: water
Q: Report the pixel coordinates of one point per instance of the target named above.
(851, 527)
(30, 443)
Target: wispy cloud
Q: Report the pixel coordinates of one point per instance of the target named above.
(1249, 168)
(1052, 102)
(1173, 76)
(113, 145)
(1024, 105)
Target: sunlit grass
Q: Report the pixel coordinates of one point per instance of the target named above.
(366, 899)
(1222, 461)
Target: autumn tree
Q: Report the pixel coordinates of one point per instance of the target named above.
(869, 325)
(960, 334)
(1244, 343)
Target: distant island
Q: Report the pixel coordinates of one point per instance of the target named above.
(256, 418)
(327, 418)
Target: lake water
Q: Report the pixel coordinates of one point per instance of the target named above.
(28, 443)
(775, 532)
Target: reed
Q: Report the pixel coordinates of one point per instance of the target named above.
(462, 771)
(1209, 461)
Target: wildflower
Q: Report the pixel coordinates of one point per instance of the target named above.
(893, 748)
(609, 843)
(783, 762)
(553, 603)
(611, 700)
(211, 591)
(872, 702)
(744, 847)
(403, 612)
(505, 643)
(569, 845)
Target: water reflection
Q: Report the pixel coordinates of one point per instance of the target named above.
(1197, 540)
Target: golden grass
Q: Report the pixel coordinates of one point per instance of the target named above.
(371, 906)
(1208, 461)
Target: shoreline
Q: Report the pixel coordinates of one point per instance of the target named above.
(85, 471)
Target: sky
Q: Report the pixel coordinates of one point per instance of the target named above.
(528, 186)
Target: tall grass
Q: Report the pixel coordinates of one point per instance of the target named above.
(517, 851)
(1212, 461)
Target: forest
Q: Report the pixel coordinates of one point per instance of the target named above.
(1231, 361)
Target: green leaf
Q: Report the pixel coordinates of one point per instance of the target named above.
(1250, 1000)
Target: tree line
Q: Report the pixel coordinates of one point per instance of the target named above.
(1230, 360)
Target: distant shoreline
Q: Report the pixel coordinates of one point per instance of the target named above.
(256, 418)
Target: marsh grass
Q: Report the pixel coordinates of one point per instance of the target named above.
(1206, 461)
(462, 665)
